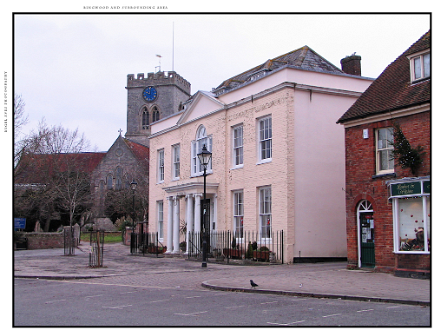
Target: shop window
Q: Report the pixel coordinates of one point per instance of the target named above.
(385, 161)
(412, 223)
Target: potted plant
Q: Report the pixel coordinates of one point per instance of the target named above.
(263, 254)
(183, 246)
(235, 252)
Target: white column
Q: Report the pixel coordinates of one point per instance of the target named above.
(189, 219)
(176, 227)
(170, 226)
(215, 212)
(197, 228)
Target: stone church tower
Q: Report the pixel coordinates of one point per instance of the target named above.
(150, 99)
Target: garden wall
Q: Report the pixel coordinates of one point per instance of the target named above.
(44, 240)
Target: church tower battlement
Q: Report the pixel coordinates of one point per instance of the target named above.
(152, 98)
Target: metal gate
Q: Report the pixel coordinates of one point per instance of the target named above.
(96, 253)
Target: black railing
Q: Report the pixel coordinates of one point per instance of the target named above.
(246, 245)
(146, 243)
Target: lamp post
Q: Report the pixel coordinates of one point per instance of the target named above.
(204, 158)
(133, 185)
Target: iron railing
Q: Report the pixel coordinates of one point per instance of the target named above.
(246, 245)
(146, 243)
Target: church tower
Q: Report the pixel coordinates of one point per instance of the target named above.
(150, 99)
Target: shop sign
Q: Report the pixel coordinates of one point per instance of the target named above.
(406, 188)
(426, 187)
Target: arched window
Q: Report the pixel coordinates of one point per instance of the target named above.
(202, 139)
(118, 178)
(145, 118)
(109, 181)
(155, 114)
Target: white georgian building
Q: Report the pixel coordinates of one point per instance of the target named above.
(278, 156)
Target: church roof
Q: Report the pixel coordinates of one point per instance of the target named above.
(37, 168)
(303, 58)
(140, 151)
(393, 89)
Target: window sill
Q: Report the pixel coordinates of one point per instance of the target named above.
(412, 252)
(237, 167)
(384, 175)
(264, 161)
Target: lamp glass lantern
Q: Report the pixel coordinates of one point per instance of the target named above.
(204, 157)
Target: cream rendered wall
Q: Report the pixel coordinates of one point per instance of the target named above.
(320, 175)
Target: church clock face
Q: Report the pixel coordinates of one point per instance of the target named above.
(149, 94)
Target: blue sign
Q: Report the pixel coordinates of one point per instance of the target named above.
(19, 223)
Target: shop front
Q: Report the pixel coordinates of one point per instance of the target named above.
(411, 203)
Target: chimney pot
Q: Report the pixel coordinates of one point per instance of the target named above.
(351, 65)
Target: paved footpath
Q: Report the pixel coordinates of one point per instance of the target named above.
(329, 280)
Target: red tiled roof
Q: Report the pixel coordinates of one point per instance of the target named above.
(140, 151)
(393, 90)
(35, 168)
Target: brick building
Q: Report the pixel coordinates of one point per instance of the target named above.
(387, 204)
(278, 157)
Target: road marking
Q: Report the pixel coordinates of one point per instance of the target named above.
(231, 307)
(117, 307)
(88, 297)
(284, 324)
(192, 297)
(332, 315)
(268, 302)
(161, 300)
(365, 310)
(54, 301)
(191, 314)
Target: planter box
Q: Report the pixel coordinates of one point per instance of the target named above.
(155, 250)
(261, 255)
(233, 253)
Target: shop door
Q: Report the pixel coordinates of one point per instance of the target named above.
(367, 248)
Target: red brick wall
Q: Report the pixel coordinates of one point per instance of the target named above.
(360, 185)
(44, 240)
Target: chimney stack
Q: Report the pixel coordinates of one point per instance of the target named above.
(351, 65)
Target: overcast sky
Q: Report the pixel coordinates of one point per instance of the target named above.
(72, 68)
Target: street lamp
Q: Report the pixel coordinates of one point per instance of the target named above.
(204, 158)
(133, 185)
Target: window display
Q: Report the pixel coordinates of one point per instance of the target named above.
(413, 215)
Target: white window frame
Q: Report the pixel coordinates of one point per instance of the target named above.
(425, 68)
(160, 220)
(196, 147)
(176, 161)
(380, 148)
(238, 214)
(264, 138)
(265, 214)
(160, 166)
(426, 217)
(238, 146)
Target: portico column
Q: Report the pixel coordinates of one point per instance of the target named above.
(176, 227)
(197, 227)
(189, 216)
(170, 225)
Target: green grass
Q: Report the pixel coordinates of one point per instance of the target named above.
(108, 237)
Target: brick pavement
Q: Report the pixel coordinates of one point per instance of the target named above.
(319, 280)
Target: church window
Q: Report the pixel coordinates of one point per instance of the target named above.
(145, 118)
(155, 114)
(118, 178)
(110, 181)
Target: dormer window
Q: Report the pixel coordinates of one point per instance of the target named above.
(420, 66)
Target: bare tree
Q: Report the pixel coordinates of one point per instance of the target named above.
(54, 157)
